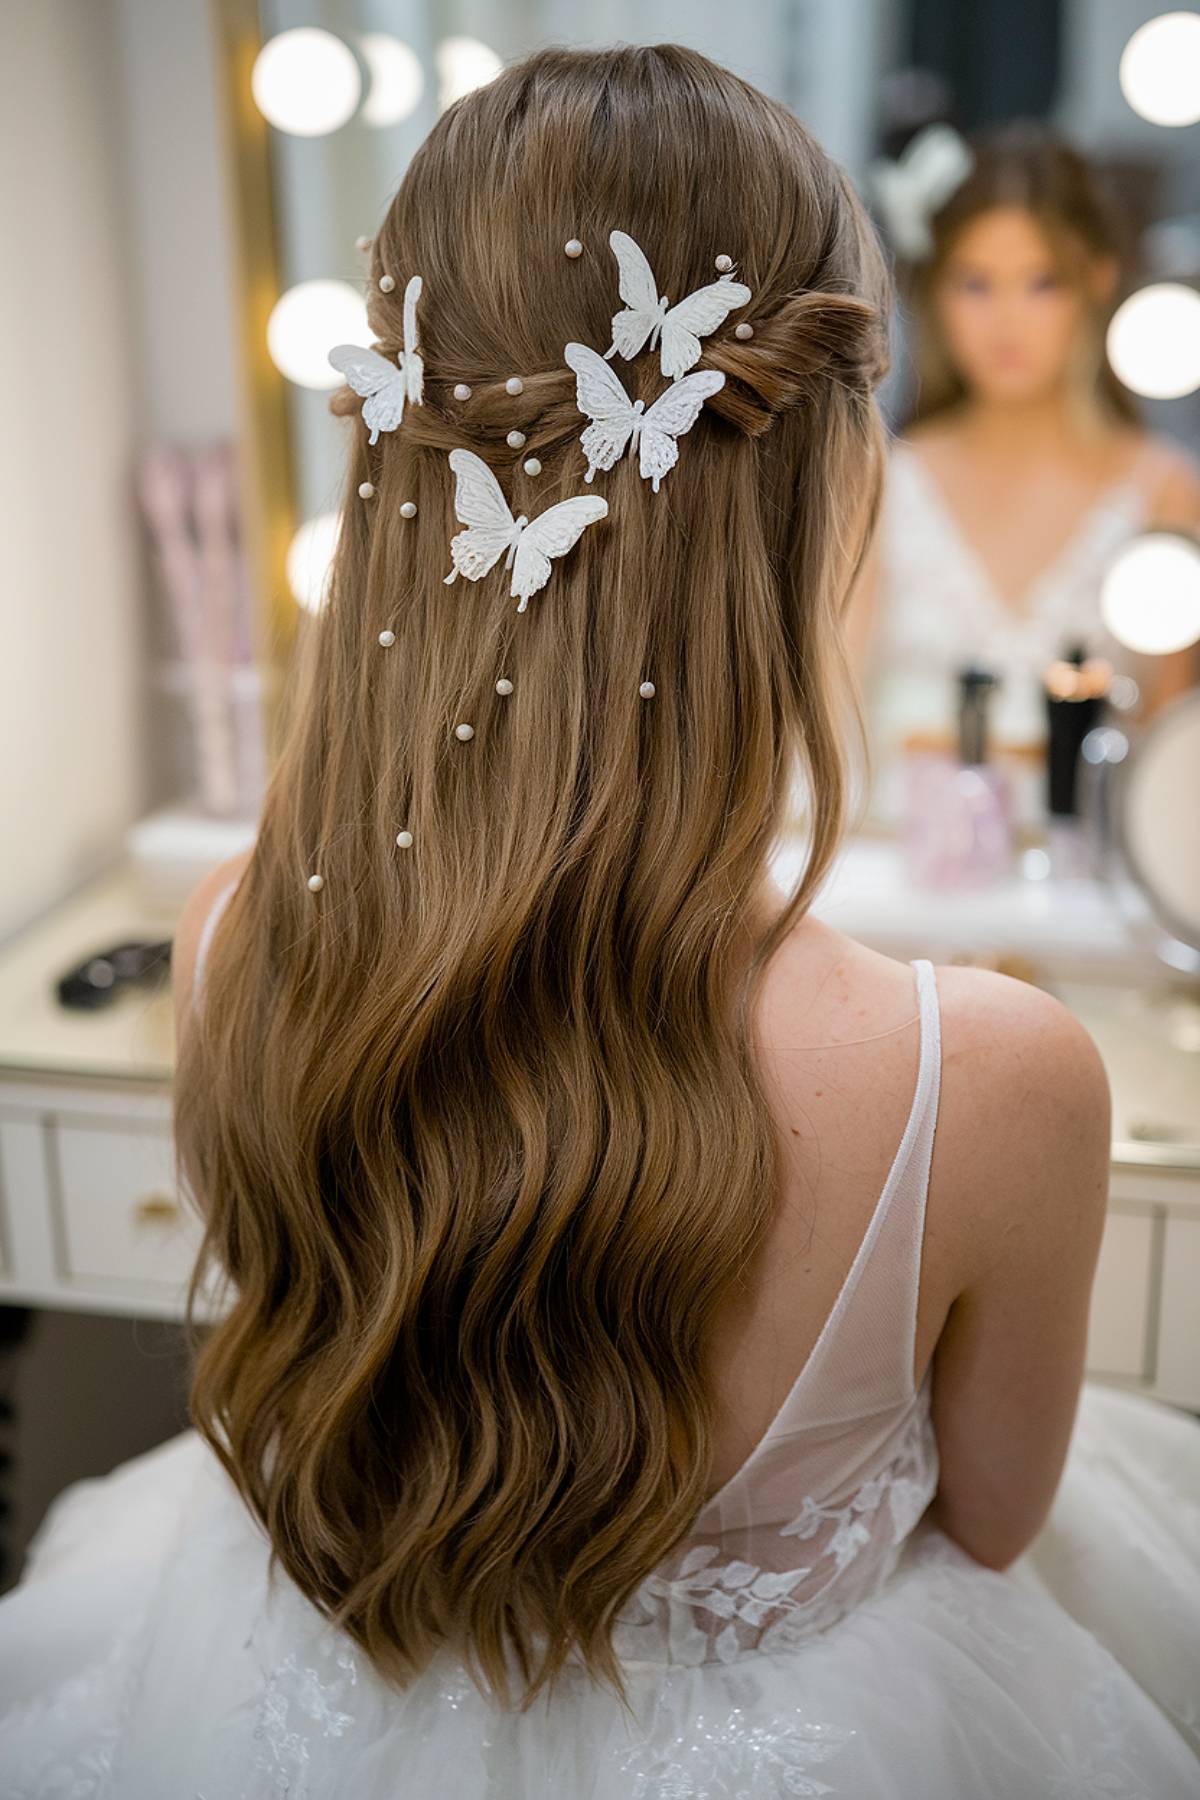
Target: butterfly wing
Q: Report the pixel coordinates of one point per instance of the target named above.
(551, 534)
(410, 362)
(379, 381)
(636, 286)
(684, 325)
(480, 505)
(600, 395)
(674, 412)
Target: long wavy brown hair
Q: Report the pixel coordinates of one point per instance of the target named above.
(1026, 164)
(477, 1129)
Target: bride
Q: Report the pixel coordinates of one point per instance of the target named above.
(1024, 464)
(639, 1330)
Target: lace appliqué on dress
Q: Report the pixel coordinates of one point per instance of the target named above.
(296, 1702)
(725, 1757)
(709, 1610)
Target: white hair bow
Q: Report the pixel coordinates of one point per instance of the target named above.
(910, 190)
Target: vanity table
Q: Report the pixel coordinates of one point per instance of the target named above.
(90, 1217)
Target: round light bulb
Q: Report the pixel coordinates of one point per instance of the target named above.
(1154, 341)
(1159, 69)
(306, 321)
(1150, 595)
(463, 63)
(309, 559)
(397, 79)
(305, 81)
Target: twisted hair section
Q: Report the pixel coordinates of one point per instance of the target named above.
(479, 1131)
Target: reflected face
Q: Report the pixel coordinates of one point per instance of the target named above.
(1009, 315)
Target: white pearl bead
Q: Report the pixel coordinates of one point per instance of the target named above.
(387, 639)
(647, 690)
(404, 839)
(464, 732)
(366, 490)
(408, 510)
(362, 243)
(514, 385)
(743, 331)
(515, 439)
(316, 883)
(532, 466)
(504, 685)
(724, 264)
(573, 247)
(461, 391)
(386, 283)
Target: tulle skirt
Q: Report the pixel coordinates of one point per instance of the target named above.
(143, 1656)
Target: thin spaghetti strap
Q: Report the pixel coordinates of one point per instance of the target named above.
(210, 923)
(863, 1358)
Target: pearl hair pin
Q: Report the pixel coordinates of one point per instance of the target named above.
(461, 391)
(724, 264)
(387, 639)
(463, 732)
(514, 385)
(504, 685)
(743, 331)
(316, 883)
(366, 490)
(408, 510)
(573, 247)
(404, 839)
(386, 283)
(532, 466)
(647, 690)
(515, 440)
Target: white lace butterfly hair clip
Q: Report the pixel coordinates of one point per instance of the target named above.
(649, 317)
(492, 530)
(618, 421)
(386, 386)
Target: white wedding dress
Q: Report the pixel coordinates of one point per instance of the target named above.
(938, 609)
(813, 1637)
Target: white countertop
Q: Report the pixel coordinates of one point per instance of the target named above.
(1069, 936)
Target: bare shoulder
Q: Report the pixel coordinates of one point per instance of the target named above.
(185, 940)
(1024, 1129)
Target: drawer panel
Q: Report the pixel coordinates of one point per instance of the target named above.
(1178, 1374)
(1119, 1324)
(120, 1218)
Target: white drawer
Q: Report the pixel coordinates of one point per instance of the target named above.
(1178, 1373)
(119, 1218)
(1119, 1328)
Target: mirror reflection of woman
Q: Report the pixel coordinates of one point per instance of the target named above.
(1021, 470)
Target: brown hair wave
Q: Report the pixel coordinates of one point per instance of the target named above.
(477, 1130)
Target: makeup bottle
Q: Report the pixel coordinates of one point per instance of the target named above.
(959, 816)
(1076, 689)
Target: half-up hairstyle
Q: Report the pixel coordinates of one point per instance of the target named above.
(477, 1129)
